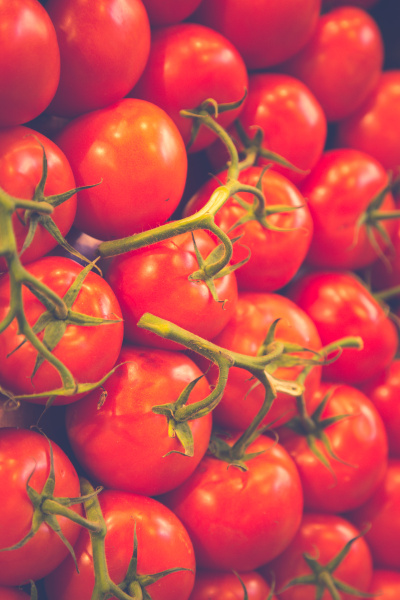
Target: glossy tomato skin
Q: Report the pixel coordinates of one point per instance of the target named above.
(30, 61)
(95, 74)
(342, 61)
(140, 437)
(24, 453)
(133, 150)
(359, 442)
(322, 536)
(21, 168)
(155, 279)
(169, 12)
(381, 514)
(212, 68)
(11, 593)
(265, 32)
(245, 333)
(340, 306)
(272, 262)
(265, 507)
(385, 584)
(221, 585)
(339, 190)
(162, 543)
(89, 352)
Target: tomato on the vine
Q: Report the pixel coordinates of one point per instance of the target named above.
(222, 585)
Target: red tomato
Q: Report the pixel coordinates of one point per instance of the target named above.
(168, 12)
(265, 32)
(339, 190)
(385, 585)
(162, 543)
(134, 149)
(384, 273)
(272, 262)
(240, 519)
(221, 585)
(375, 126)
(189, 63)
(359, 443)
(81, 349)
(340, 305)
(155, 279)
(245, 333)
(21, 167)
(342, 62)
(322, 537)
(25, 453)
(381, 513)
(9, 593)
(140, 437)
(103, 48)
(29, 62)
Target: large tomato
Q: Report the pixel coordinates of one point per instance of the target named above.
(222, 585)
(167, 12)
(385, 585)
(134, 151)
(11, 593)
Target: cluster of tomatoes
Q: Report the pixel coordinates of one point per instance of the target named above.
(199, 300)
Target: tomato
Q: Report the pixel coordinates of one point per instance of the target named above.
(137, 439)
(29, 63)
(374, 127)
(222, 585)
(21, 168)
(342, 62)
(272, 262)
(265, 32)
(380, 512)
(339, 190)
(385, 584)
(291, 118)
(322, 537)
(189, 63)
(245, 333)
(25, 454)
(340, 305)
(155, 279)
(358, 442)
(136, 154)
(9, 593)
(81, 349)
(162, 543)
(384, 273)
(240, 519)
(95, 74)
(167, 12)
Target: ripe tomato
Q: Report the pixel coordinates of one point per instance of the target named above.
(162, 543)
(240, 519)
(340, 305)
(21, 167)
(385, 584)
(221, 585)
(25, 454)
(384, 273)
(168, 12)
(342, 61)
(134, 149)
(29, 62)
(10, 593)
(140, 437)
(81, 349)
(95, 74)
(155, 279)
(272, 262)
(189, 63)
(359, 443)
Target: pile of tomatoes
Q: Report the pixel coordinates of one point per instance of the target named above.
(199, 299)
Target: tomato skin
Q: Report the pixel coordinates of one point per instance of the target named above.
(265, 507)
(385, 584)
(222, 585)
(78, 343)
(155, 279)
(169, 12)
(21, 167)
(9, 593)
(342, 62)
(139, 436)
(339, 190)
(30, 61)
(359, 439)
(163, 543)
(135, 153)
(322, 536)
(340, 305)
(94, 74)
(22, 453)
(260, 274)
(265, 32)
(212, 67)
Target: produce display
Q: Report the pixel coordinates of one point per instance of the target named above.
(199, 299)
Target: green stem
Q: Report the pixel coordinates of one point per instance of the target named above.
(381, 215)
